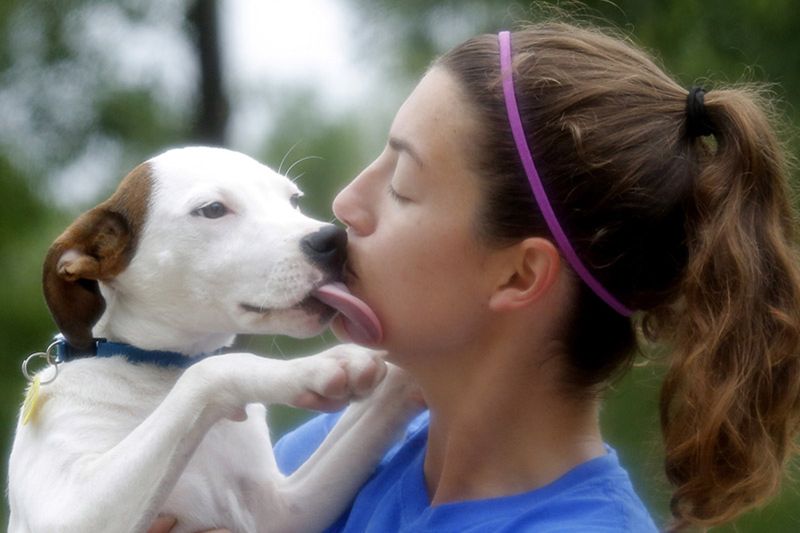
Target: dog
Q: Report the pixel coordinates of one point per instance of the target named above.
(196, 245)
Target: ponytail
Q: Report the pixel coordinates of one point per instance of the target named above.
(696, 232)
(730, 403)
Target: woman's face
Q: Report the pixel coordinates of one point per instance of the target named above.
(413, 251)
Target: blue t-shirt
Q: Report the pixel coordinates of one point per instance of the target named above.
(596, 496)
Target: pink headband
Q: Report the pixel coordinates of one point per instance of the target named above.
(539, 194)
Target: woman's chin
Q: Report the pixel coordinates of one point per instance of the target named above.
(348, 332)
(338, 328)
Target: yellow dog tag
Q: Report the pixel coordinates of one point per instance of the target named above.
(31, 402)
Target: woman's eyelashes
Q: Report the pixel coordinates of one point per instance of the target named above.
(395, 195)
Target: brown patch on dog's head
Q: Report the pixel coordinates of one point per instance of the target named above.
(96, 247)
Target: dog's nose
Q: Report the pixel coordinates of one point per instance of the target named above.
(326, 248)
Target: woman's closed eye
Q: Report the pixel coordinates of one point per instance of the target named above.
(397, 196)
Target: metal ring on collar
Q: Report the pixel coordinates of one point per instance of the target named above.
(48, 356)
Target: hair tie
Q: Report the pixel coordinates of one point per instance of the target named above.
(698, 123)
(535, 181)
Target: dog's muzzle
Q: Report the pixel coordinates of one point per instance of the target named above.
(327, 249)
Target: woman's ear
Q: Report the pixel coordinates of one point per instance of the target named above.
(532, 269)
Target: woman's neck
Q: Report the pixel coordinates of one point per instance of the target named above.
(500, 426)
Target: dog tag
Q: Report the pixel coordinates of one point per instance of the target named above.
(31, 402)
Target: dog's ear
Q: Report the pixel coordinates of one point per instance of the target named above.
(96, 247)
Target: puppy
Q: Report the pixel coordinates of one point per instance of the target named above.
(137, 418)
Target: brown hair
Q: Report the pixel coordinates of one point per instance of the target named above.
(697, 233)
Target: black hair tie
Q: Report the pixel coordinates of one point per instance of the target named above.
(698, 123)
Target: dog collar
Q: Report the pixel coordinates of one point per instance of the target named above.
(102, 348)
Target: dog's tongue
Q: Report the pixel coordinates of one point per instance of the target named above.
(360, 322)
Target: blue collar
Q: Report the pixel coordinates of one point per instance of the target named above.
(102, 348)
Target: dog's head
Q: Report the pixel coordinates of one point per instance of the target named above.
(199, 239)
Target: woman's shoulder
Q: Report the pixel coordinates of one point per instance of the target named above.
(596, 496)
(297, 445)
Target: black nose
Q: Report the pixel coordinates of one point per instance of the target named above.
(327, 248)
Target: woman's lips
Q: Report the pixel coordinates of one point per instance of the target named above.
(349, 272)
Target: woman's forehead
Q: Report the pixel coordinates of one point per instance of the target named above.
(436, 115)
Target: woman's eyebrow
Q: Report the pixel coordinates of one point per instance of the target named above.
(400, 145)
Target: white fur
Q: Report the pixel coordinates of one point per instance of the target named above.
(115, 444)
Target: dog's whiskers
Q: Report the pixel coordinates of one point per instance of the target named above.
(288, 170)
(263, 303)
(274, 344)
(289, 151)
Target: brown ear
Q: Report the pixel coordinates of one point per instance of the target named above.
(96, 247)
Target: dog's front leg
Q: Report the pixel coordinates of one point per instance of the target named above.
(320, 490)
(123, 489)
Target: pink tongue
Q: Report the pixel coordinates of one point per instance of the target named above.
(360, 321)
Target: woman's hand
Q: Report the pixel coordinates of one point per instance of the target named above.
(164, 524)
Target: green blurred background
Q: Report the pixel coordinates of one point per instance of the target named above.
(89, 88)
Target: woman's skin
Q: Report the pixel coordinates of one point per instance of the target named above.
(165, 523)
(476, 325)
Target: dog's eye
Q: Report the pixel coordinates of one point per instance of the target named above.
(295, 200)
(212, 210)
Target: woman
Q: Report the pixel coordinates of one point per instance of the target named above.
(512, 308)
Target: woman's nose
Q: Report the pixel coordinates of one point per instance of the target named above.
(351, 206)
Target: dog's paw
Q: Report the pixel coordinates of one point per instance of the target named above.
(341, 374)
(365, 368)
